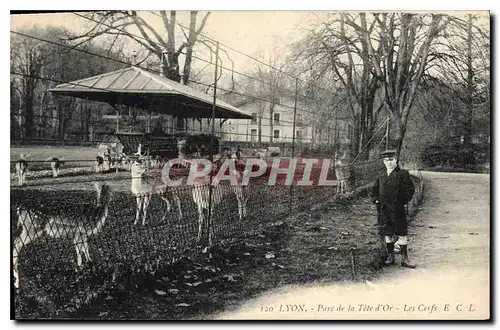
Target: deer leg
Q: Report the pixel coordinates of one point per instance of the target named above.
(86, 250)
(178, 201)
(147, 198)
(211, 230)
(244, 204)
(240, 207)
(138, 209)
(245, 208)
(200, 222)
(18, 245)
(169, 208)
(78, 252)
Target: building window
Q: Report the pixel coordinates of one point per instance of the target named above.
(276, 119)
(254, 118)
(276, 134)
(298, 135)
(253, 135)
(299, 119)
(276, 100)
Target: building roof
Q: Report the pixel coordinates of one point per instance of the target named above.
(137, 87)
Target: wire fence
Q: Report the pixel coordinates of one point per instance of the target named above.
(65, 221)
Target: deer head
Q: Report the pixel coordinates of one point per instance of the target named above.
(137, 169)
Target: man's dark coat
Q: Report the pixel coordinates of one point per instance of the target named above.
(393, 192)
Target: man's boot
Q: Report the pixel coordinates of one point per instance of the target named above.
(405, 261)
(390, 257)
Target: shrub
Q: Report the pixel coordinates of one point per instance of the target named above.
(455, 156)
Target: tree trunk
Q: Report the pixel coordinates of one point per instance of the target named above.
(61, 125)
(170, 63)
(271, 121)
(355, 137)
(396, 133)
(470, 88)
(313, 136)
(260, 130)
(43, 115)
(189, 48)
(29, 123)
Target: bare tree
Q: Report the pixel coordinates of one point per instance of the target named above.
(161, 44)
(333, 49)
(41, 59)
(324, 103)
(464, 69)
(27, 59)
(399, 58)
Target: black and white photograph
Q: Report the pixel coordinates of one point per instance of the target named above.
(195, 165)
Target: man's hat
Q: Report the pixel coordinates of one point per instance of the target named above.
(388, 153)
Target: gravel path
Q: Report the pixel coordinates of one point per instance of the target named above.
(449, 242)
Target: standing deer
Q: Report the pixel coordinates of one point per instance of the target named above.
(35, 225)
(143, 192)
(55, 164)
(201, 197)
(99, 163)
(342, 168)
(22, 168)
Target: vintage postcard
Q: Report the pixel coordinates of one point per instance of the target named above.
(250, 165)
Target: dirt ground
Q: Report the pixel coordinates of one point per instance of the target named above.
(449, 242)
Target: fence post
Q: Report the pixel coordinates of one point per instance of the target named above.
(293, 136)
(210, 188)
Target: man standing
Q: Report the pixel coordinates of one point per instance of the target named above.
(392, 190)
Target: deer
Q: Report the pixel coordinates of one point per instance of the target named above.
(55, 164)
(201, 197)
(123, 161)
(99, 163)
(35, 225)
(143, 192)
(22, 168)
(342, 168)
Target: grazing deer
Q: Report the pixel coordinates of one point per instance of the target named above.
(99, 163)
(35, 225)
(55, 164)
(143, 192)
(22, 168)
(201, 197)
